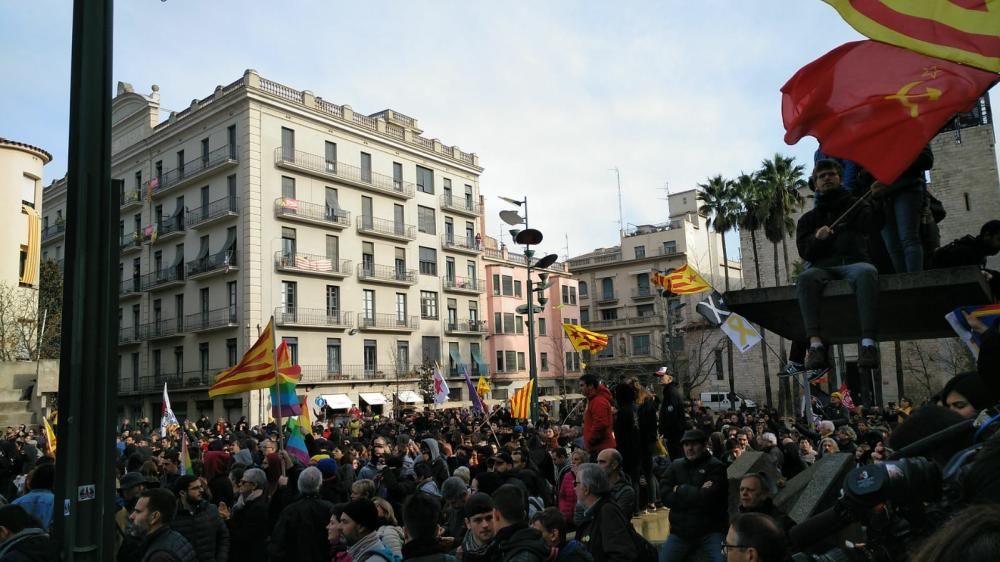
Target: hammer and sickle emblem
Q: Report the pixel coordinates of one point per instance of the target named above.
(906, 98)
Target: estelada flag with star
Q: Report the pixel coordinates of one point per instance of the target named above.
(965, 31)
(876, 104)
(682, 281)
(583, 339)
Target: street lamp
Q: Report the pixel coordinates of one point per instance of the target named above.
(530, 237)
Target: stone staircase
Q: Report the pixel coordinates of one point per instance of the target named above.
(15, 404)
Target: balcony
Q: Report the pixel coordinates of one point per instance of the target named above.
(169, 229)
(167, 328)
(388, 323)
(221, 158)
(221, 263)
(465, 245)
(295, 317)
(309, 264)
(318, 166)
(311, 213)
(54, 232)
(642, 293)
(175, 381)
(128, 336)
(464, 326)
(386, 229)
(607, 297)
(167, 278)
(463, 285)
(128, 200)
(386, 274)
(130, 243)
(215, 212)
(461, 205)
(211, 320)
(333, 373)
(130, 288)
(645, 320)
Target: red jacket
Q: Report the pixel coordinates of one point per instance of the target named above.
(598, 422)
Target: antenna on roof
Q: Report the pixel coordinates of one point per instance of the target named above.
(666, 189)
(621, 216)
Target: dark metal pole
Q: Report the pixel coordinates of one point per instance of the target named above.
(88, 368)
(532, 361)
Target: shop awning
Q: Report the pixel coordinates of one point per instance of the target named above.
(373, 398)
(337, 401)
(410, 397)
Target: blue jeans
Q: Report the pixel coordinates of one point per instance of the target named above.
(863, 278)
(677, 549)
(901, 232)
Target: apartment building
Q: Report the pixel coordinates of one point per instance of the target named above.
(21, 175)
(618, 298)
(354, 232)
(558, 364)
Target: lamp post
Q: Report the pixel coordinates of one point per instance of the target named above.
(530, 237)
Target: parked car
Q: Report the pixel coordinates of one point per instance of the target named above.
(720, 401)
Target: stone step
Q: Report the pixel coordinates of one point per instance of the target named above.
(17, 418)
(14, 407)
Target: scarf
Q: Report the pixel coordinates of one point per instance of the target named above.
(245, 499)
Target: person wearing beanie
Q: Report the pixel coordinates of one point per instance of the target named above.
(694, 488)
(329, 490)
(836, 411)
(300, 533)
(358, 523)
(478, 544)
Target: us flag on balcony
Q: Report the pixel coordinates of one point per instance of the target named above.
(583, 339)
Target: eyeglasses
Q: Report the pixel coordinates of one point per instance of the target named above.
(726, 547)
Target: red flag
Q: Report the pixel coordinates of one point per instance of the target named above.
(876, 104)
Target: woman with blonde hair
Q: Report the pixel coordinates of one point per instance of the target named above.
(389, 531)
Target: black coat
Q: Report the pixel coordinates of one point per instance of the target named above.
(627, 436)
(300, 533)
(29, 545)
(849, 242)
(696, 510)
(205, 530)
(248, 532)
(605, 532)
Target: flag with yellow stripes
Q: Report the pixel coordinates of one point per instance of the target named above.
(520, 403)
(255, 370)
(583, 339)
(683, 281)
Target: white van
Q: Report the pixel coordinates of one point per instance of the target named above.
(720, 402)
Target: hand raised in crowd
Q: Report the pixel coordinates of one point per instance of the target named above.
(824, 232)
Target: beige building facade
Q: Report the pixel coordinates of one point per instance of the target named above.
(263, 201)
(21, 177)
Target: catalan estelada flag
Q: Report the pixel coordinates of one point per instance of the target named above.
(583, 339)
(520, 403)
(255, 371)
(685, 281)
(963, 31)
(283, 391)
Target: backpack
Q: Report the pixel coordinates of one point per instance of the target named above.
(645, 551)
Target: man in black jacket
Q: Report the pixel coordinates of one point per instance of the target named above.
(694, 488)
(300, 533)
(151, 521)
(604, 529)
(973, 250)
(836, 252)
(671, 414)
(248, 522)
(516, 541)
(199, 521)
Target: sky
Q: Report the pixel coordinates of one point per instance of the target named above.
(551, 95)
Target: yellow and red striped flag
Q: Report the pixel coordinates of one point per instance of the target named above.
(50, 436)
(585, 340)
(520, 403)
(683, 281)
(255, 370)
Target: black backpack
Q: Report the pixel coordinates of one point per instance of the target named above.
(645, 551)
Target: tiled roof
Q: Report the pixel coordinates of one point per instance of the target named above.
(44, 153)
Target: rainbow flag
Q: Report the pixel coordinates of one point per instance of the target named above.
(284, 402)
(186, 467)
(304, 419)
(520, 403)
(296, 444)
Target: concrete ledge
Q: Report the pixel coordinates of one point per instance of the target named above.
(912, 306)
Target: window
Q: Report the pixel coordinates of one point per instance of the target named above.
(401, 263)
(287, 187)
(180, 163)
(402, 356)
(468, 197)
(640, 344)
(449, 230)
(231, 140)
(497, 323)
(331, 157)
(204, 153)
(452, 307)
(397, 176)
(157, 365)
(425, 180)
(541, 327)
(496, 284)
(158, 169)
(428, 305)
(453, 354)
(565, 294)
(138, 182)
(368, 304)
(517, 289)
(669, 247)
(401, 308)
(368, 257)
(543, 360)
(293, 348)
(608, 351)
(287, 242)
(508, 285)
(425, 220)
(332, 208)
(203, 359)
(449, 268)
(572, 295)
(500, 361)
(366, 167)
(508, 323)
(520, 360)
(640, 252)
(583, 290)
(288, 296)
(333, 355)
(607, 289)
(333, 302)
(519, 324)
(572, 361)
(645, 310)
(287, 144)
(473, 311)
(428, 261)
(231, 355)
(179, 362)
(609, 314)
(371, 357)
(333, 251)
(719, 374)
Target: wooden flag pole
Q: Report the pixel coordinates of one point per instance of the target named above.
(849, 209)
(277, 381)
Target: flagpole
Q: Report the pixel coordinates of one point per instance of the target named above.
(277, 382)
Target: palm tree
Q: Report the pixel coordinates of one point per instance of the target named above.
(719, 205)
(751, 213)
(781, 179)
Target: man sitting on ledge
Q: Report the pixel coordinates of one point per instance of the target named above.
(836, 252)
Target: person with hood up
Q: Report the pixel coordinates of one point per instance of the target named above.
(22, 538)
(599, 417)
(516, 541)
(217, 464)
(430, 453)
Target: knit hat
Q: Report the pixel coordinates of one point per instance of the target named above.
(363, 513)
(328, 467)
(836, 395)
(478, 503)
